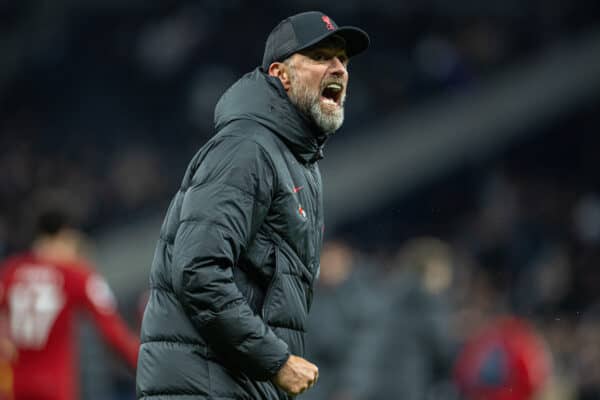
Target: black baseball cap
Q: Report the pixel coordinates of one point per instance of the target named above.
(306, 29)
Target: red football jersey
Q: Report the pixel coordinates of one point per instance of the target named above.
(40, 299)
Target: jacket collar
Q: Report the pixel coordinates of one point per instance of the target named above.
(260, 97)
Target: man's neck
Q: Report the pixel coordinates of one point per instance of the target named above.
(56, 249)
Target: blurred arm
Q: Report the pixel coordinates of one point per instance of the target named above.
(102, 305)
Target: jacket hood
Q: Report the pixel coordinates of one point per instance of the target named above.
(261, 98)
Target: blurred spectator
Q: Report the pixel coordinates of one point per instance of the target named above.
(586, 357)
(410, 345)
(41, 290)
(505, 360)
(344, 310)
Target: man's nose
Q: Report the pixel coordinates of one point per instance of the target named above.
(337, 67)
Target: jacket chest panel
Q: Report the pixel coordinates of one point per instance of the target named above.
(293, 216)
(295, 213)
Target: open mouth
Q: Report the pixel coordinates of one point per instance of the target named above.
(332, 93)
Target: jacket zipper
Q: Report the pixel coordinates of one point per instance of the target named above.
(315, 226)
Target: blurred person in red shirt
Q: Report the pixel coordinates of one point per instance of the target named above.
(40, 292)
(505, 360)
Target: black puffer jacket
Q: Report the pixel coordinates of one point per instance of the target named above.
(233, 272)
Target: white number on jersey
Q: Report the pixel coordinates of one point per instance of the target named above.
(34, 306)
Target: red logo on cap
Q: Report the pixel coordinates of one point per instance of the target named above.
(328, 23)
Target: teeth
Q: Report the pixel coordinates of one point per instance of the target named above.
(334, 86)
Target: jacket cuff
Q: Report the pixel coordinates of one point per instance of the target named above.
(277, 367)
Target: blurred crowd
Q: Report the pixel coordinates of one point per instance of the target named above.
(513, 238)
(102, 104)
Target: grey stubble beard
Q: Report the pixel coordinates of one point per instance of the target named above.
(309, 103)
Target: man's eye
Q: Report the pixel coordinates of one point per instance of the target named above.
(320, 57)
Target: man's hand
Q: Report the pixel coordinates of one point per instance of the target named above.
(296, 376)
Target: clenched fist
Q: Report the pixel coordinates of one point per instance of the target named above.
(296, 376)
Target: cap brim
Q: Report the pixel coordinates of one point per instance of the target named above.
(356, 39)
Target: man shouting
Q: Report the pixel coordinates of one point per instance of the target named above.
(233, 272)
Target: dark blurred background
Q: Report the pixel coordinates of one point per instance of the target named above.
(463, 187)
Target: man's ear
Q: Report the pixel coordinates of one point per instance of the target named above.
(280, 70)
